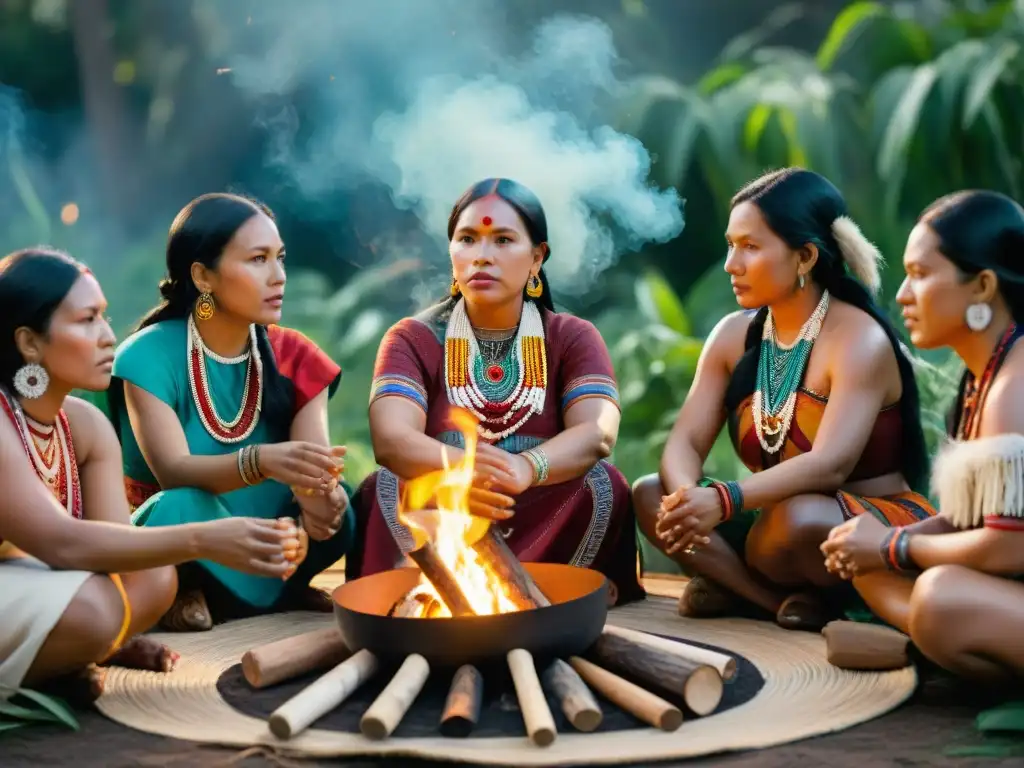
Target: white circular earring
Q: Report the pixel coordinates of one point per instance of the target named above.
(31, 381)
(801, 282)
(978, 316)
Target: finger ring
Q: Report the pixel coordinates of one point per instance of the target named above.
(690, 550)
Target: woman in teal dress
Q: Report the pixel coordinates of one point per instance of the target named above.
(222, 412)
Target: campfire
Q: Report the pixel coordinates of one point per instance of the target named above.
(470, 603)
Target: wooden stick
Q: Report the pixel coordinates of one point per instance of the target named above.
(853, 645)
(495, 550)
(726, 665)
(540, 725)
(272, 663)
(578, 703)
(319, 698)
(640, 703)
(388, 709)
(462, 708)
(437, 573)
(699, 685)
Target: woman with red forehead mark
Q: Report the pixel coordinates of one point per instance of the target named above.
(540, 383)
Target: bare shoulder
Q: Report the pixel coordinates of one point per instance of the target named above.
(91, 430)
(727, 339)
(856, 336)
(1004, 407)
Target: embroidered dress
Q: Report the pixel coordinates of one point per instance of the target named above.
(217, 401)
(521, 385)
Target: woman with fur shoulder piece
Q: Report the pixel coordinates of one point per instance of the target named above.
(820, 402)
(954, 582)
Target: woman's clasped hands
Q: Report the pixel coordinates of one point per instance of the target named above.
(855, 547)
(687, 517)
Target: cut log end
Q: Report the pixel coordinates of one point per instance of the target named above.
(670, 720)
(865, 647)
(462, 708)
(703, 690)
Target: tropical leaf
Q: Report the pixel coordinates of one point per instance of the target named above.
(892, 154)
(52, 706)
(660, 304)
(1006, 717)
(985, 77)
(848, 24)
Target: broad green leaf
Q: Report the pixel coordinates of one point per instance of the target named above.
(985, 77)
(661, 304)
(721, 76)
(848, 24)
(1008, 164)
(55, 706)
(1006, 717)
(11, 726)
(14, 711)
(757, 121)
(788, 122)
(777, 20)
(892, 155)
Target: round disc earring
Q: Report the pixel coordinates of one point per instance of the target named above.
(978, 316)
(31, 381)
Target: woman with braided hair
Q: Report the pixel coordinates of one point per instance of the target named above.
(820, 402)
(954, 582)
(223, 412)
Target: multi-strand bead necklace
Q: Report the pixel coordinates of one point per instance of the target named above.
(780, 369)
(501, 393)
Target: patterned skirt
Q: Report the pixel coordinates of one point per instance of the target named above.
(588, 522)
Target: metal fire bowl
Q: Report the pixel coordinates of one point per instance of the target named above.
(570, 625)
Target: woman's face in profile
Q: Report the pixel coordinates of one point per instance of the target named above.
(78, 348)
(492, 254)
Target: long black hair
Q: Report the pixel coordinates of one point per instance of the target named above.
(200, 233)
(526, 204)
(33, 283)
(979, 230)
(800, 207)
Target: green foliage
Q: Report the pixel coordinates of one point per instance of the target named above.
(26, 707)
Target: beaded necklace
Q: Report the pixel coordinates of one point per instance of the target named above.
(51, 452)
(780, 369)
(240, 427)
(976, 390)
(502, 393)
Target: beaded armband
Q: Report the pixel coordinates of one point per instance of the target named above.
(731, 496)
(539, 461)
(895, 551)
(249, 464)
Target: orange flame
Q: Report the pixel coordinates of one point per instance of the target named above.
(450, 527)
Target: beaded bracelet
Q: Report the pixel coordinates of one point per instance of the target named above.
(731, 496)
(895, 551)
(539, 461)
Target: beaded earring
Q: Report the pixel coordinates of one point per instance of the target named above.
(454, 290)
(205, 306)
(534, 288)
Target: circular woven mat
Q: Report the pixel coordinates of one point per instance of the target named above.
(803, 695)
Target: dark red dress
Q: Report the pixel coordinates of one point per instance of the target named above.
(587, 522)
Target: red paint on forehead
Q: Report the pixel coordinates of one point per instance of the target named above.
(486, 221)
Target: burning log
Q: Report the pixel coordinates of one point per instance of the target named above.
(462, 708)
(442, 580)
(319, 698)
(495, 551)
(388, 709)
(282, 660)
(698, 685)
(578, 703)
(725, 664)
(540, 725)
(416, 604)
(640, 703)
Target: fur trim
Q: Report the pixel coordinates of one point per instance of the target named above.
(975, 479)
(859, 253)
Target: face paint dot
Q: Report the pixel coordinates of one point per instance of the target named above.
(487, 221)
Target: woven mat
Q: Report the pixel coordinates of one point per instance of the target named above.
(803, 696)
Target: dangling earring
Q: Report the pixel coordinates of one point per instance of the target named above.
(455, 288)
(978, 316)
(205, 306)
(31, 381)
(534, 287)
(800, 281)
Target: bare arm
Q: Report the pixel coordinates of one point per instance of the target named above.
(591, 427)
(859, 387)
(703, 413)
(984, 549)
(397, 429)
(100, 465)
(165, 449)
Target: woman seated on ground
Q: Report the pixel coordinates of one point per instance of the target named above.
(223, 413)
(77, 582)
(964, 290)
(541, 384)
(820, 401)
